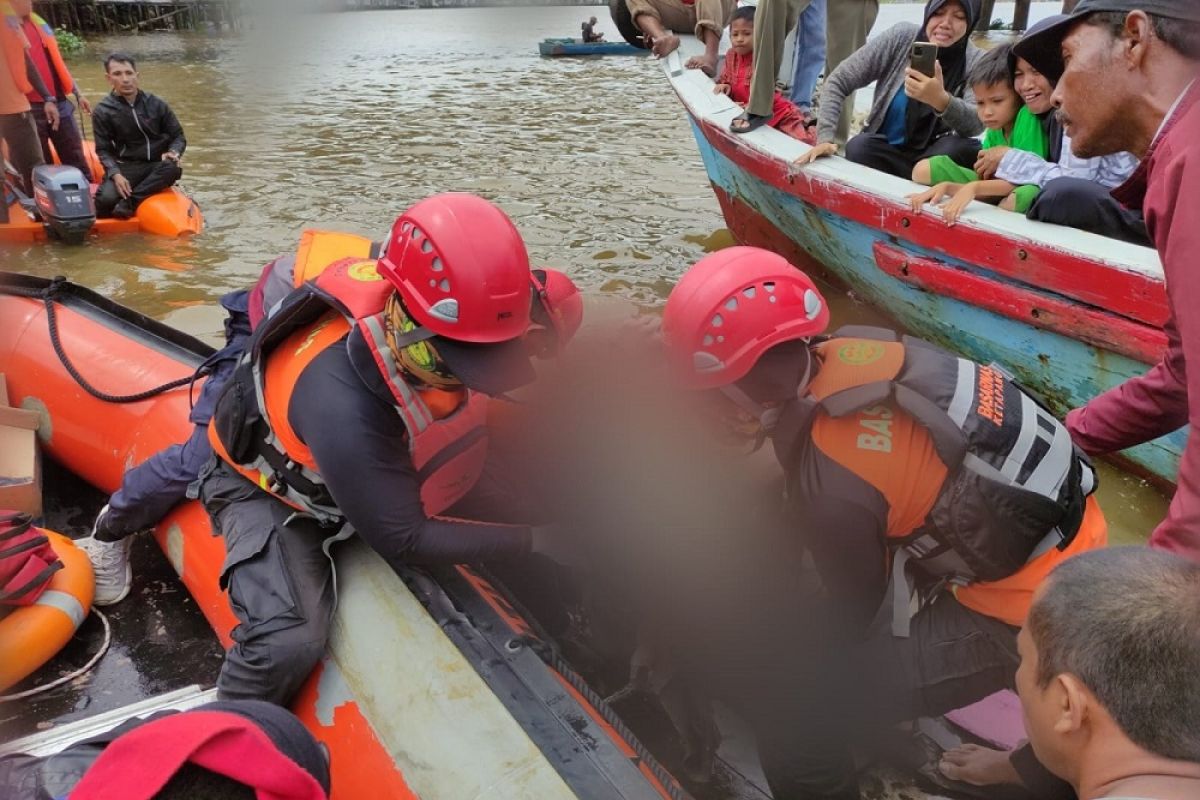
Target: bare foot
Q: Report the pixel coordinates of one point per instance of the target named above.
(978, 766)
(662, 46)
(705, 63)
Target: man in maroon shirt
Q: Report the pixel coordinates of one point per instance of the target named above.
(1128, 82)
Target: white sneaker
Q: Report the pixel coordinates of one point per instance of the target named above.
(110, 563)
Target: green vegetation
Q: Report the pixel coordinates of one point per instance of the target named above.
(69, 43)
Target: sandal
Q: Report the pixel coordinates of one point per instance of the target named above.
(752, 122)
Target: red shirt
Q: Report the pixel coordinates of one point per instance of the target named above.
(1167, 186)
(37, 53)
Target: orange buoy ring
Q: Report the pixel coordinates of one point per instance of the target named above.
(31, 635)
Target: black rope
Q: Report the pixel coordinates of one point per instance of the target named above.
(541, 644)
(48, 296)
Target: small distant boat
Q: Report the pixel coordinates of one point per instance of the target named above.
(577, 47)
(170, 213)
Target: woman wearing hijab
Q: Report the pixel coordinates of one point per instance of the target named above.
(914, 116)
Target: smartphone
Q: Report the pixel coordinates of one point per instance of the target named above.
(923, 57)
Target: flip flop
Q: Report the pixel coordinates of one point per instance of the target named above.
(753, 122)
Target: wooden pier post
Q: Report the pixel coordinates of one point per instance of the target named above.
(987, 9)
(1021, 15)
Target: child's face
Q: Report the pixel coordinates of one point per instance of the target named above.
(741, 36)
(997, 105)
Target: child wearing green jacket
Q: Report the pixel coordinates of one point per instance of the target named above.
(1009, 124)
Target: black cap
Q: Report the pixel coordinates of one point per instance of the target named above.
(492, 369)
(1041, 46)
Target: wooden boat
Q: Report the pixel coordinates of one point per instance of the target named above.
(1069, 313)
(577, 47)
(169, 213)
(433, 685)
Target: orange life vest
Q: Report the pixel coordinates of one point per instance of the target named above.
(12, 46)
(50, 43)
(447, 434)
(1002, 494)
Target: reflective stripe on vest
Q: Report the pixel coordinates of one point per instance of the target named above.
(981, 423)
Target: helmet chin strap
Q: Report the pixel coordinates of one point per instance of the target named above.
(767, 416)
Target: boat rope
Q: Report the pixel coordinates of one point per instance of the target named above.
(541, 644)
(49, 297)
(70, 676)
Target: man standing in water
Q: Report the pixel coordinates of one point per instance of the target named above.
(1128, 70)
(138, 140)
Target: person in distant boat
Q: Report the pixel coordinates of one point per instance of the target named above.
(1009, 124)
(1108, 678)
(47, 60)
(661, 20)
(914, 116)
(735, 78)
(139, 142)
(589, 32)
(151, 489)
(217, 751)
(1074, 191)
(915, 478)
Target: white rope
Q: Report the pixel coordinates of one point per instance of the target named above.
(8, 698)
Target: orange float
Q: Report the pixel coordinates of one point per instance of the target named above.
(32, 635)
(432, 685)
(169, 213)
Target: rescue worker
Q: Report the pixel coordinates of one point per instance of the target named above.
(151, 489)
(360, 406)
(900, 459)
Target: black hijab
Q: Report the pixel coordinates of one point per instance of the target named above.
(922, 124)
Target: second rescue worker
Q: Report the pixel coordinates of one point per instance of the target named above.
(899, 457)
(361, 404)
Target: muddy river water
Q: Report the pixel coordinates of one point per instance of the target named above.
(340, 120)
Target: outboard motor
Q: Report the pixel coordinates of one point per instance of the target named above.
(63, 199)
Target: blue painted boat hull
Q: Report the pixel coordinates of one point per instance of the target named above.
(1065, 371)
(561, 47)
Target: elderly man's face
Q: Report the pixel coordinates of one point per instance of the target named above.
(1094, 91)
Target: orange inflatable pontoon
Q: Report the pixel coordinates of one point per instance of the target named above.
(169, 213)
(432, 685)
(32, 635)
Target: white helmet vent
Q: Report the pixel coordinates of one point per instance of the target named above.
(812, 304)
(706, 362)
(445, 310)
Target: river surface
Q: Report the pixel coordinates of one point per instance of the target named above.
(341, 120)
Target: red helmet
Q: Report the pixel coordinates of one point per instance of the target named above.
(733, 306)
(461, 268)
(557, 305)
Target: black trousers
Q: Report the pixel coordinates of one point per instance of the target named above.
(146, 178)
(19, 133)
(67, 140)
(873, 150)
(1088, 206)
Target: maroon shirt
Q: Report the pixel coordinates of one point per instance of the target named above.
(1167, 186)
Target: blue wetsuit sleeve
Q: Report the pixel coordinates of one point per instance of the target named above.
(360, 447)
